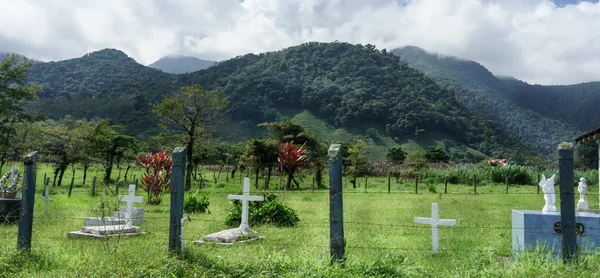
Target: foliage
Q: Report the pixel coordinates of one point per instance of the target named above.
(514, 173)
(14, 93)
(194, 204)
(260, 154)
(416, 160)
(396, 155)
(66, 142)
(436, 154)
(291, 157)
(157, 176)
(270, 211)
(586, 155)
(539, 116)
(358, 157)
(193, 110)
(110, 146)
(347, 85)
(291, 131)
(103, 84)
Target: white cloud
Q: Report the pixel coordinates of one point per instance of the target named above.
(533, 40)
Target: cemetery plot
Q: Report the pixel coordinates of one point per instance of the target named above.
(119, 225)
(380, 233)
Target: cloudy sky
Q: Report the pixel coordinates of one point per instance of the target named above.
(539, 41)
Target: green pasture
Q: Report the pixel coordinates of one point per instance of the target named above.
(381, 236)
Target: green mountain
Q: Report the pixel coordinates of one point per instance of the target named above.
(492, 99)
(576, 105)
(102, 84)
(181, 64)
(353, 90)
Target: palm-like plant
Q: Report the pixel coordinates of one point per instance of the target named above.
(291, 157)
(157, 177)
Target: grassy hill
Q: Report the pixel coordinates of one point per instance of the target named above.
(491, 98)
(181, 64)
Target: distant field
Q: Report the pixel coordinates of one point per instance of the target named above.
(381, 237)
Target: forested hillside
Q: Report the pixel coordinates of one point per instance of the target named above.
(490, 98)
(576, 104)
(181, 64)
(102, 84)
(345, 85)
(349, 85)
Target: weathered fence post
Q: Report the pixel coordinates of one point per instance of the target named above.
(117, 186)
(389, 183)
(336, 207)
(445, 184)
(417, 183)
(94, 187)
(474, 185)
(567, 204)
(366, 182)
(506, 180)
(71, 186)
(177, 182)
(26, 217)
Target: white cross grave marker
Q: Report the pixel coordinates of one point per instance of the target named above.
(245, 198)
(434, 221)
(130, 199)
(46, 197)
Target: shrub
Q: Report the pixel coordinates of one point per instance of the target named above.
(157, 175)
(270, 211)
(515, 175)
(195, 204)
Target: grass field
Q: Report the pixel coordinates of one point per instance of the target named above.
(381, 237)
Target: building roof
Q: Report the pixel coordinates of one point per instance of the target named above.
(590, 136)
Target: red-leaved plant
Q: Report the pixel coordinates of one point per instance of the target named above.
(290, 158)
(156, 179)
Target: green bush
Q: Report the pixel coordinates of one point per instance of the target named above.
(270, 211)
(515, 175)
(195, 204)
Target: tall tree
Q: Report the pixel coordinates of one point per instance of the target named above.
(111, 146)
(194, 110)
(14, 93)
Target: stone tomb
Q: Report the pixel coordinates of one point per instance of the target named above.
(114, 227)
(243, 232)
(137, 215)
(534, 228)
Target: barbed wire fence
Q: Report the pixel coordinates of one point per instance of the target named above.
(365, 225)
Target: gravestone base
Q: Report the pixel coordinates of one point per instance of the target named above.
(100, 221)
(118, 219)
(538, 230)
(106, 231)
(10, 210)
(231, 236)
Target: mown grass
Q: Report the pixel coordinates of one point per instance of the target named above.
(381, 237)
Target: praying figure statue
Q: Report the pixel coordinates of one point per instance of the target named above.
(582, 189)
(547, 186)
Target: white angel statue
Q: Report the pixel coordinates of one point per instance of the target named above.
(547, 186)
(582, 188)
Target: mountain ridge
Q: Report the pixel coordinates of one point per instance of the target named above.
(178, 64)
(344, 84)
(490, 97)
